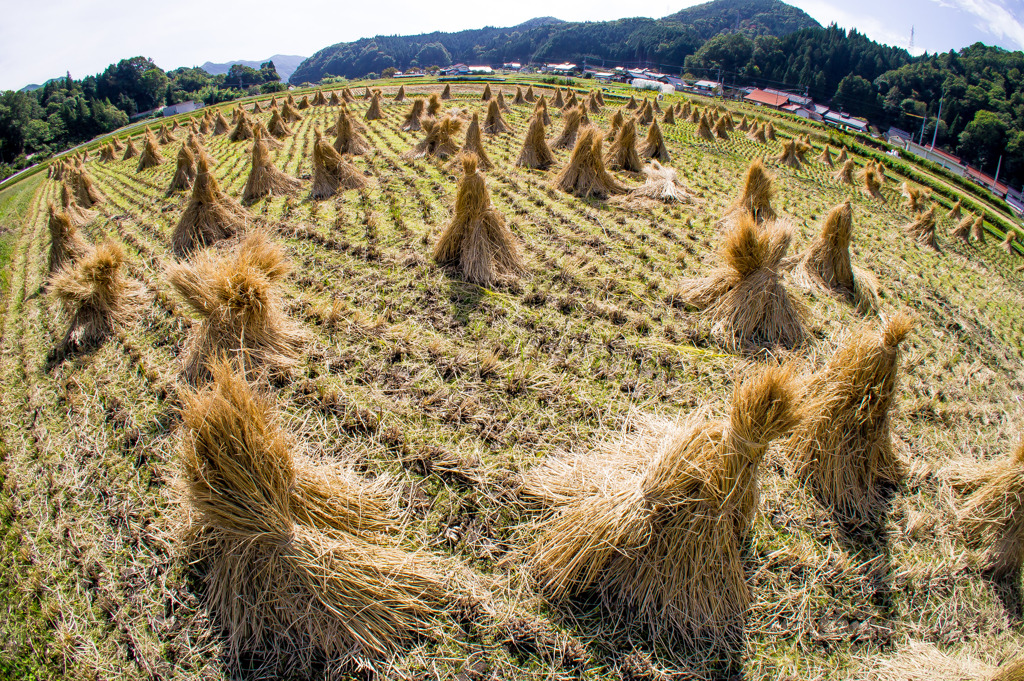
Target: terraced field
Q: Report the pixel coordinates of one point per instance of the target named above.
(451, 391)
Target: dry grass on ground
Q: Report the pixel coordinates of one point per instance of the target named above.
(448, 391)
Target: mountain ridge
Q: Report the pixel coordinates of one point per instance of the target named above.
(284, 63)
(666, 40)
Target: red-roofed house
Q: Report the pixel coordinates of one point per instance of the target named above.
(792, 98)
(802, 112)
(766, 99)
(949, 157)
(981, 178)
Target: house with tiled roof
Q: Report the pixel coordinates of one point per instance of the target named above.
(763, 98)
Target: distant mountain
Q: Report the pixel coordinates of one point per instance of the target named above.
(539, 22)
(35, 86)
(753, 17)
(284, 63)
(639, 40)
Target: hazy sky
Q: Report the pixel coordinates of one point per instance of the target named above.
(41, 41)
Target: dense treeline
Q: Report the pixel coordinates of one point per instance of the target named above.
(982, 93)
(759, 42)
(658, 41)
(816, 59)
(763, 43)
(65, 111)
(981, 87)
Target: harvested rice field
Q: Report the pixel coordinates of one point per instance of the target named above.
(669, 435)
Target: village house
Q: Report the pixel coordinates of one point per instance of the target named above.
(763, 98)
(802, 112)
(708, 87)
(846, 122)
(897, 136)
(799, 100)
(565, 69)
(180, 107)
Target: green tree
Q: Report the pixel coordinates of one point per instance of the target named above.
(728, 51)
(107, 116)
(267, 88)
(268, 72)
(138, 79)
(189, 79)
(17, 112)
(241, 76)
(155, 81)
(433, 53)
(984, 138)
(855, 93)
(1014, 159)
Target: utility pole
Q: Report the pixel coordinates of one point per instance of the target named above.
(937, 119)
(999, 166)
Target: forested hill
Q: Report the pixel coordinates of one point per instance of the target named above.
(981, 87)
(750, 42)
(666, 41)
(753, 17)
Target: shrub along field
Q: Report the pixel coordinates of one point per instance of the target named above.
(441, 396)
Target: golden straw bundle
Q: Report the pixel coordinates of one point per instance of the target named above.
(210, 215)
(66, 244)
(825, 263)
(97, 297)
(743, 297)
(622, 154)
(277, 580)
(842, 443)
(654, 144)
(331, 172)
(495, 124)
(477, 239)
(585, 174)
(264, 177)
(654, 523)
(237, 297)
(439, 138)
(348, 134)
(151, 156)
(993, 515)
(922, 229)
(535, 152)
(475, 145)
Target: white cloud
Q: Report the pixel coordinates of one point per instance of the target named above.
(993, 17)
